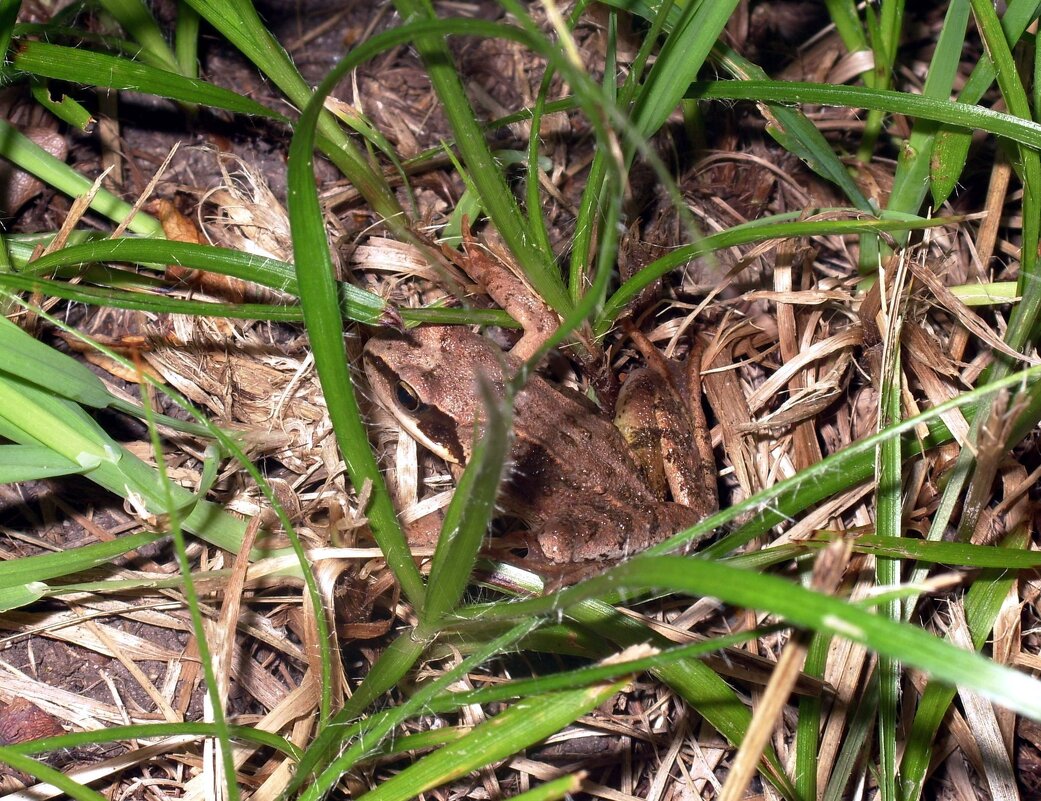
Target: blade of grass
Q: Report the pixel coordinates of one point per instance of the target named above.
(795, 132)
(889, 518)
(951, 148)
(160, 304)
(801, 607)
(186, 40)
(23, 152)
(470, 511)
(1024, 316)
(137, 20)
(776, 227)
(854, 744)
(32, 462)
(45, 773)
(963, 115)
(519, 726)
(66, 109)
(983, 603)
(212, 686)
(237, 20)
(370, 739)
(884, 35)
(911, 180)
(29, 359)
(320, 301)
(497, 199)
(391, 667)
(359, 305)
(98, 69)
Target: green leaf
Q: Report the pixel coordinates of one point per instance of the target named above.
(470, 512)
(359, 305)
(138, 21)
(29, 569)
(23, 152)
(33, 462)
(521, 725)
(802, 607)
(30, 360)
(98, 69)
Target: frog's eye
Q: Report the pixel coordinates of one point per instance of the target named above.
(408, 398)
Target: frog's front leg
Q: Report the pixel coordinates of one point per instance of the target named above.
(485, 265)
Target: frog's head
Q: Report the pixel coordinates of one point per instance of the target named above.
(427, 378)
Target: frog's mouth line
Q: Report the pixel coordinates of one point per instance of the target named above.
(428, 425)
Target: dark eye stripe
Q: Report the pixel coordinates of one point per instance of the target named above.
(436, 426)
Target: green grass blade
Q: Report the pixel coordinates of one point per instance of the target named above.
(321, 305)
(795, 132)
(804, 608)
(889, 522)
(66, 109)
(954, 554)
(843, 14)
(33, 462)
(852, 754)
(45, 773)
(470, 511)
(521, 725)
(186, 40)
(46, 566)
(951, 148)
(911, 181)
(808, 726)
(496, 197)
(137, 20)
(159, 304)
(30, 360)
(983, 603)
(24, 153)
(884, 35)
(959, 114)
(779, 226)
(358, 305)
(98, 69)
(371, 737)
(391, 666)
(679, 61)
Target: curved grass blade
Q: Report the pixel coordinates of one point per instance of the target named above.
(45, 773)
(23, 152)
(358, 304)
(521, 725)
(470, 511)
(98, 69)
(802, 607)
(777, 227)
(961, 115)
(319, 298)
(159, 304)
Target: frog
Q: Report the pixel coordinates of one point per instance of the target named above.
(577, 479)
(590, 490)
